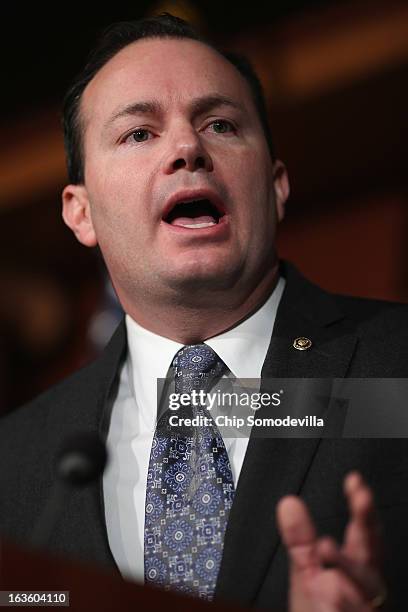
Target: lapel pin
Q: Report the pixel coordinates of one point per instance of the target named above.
(302, 343)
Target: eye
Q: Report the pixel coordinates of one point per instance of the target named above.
(222, 126)
(139, 135)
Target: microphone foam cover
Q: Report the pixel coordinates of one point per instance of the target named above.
(81, 459)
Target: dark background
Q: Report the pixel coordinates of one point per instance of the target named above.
(335, 78)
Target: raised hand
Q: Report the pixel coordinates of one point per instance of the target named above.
(326, 577)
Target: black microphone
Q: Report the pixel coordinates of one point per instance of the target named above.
(80, 461)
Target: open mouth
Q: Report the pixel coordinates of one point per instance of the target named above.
(194, 214)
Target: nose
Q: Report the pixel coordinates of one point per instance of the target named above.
(187, 152)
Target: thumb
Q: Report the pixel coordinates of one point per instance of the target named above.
(298, 533)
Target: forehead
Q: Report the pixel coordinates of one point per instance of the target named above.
(173, 70)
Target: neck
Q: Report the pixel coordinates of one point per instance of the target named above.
(189, 323)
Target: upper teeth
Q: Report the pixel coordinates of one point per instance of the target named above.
(198, 225)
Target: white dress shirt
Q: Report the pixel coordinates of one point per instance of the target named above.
(243, 349)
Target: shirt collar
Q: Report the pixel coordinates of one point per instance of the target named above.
(242, 348)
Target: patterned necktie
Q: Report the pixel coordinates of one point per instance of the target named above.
(189, 488)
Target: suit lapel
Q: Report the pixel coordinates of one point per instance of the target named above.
(84, 530)
(275, 467)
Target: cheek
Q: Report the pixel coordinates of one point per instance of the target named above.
(114, 176)
(124, 194)
(254, 192)
(251, 171)
(113, 202)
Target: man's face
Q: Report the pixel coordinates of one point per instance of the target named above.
(179, 184)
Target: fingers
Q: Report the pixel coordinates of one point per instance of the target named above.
(325, 576)
(358, 558)
(328, 552)
(362, 536)
(297, 532)
(359, 497)
(332, 591)
(366, 579)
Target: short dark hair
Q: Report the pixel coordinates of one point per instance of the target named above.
(114, 39)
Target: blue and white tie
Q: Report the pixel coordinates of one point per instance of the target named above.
(190, 489)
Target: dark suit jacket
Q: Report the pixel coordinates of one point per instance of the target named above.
(351, 338)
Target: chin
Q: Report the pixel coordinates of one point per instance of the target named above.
(201, 277)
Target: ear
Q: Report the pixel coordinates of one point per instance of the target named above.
(281, 185)
(76, 213)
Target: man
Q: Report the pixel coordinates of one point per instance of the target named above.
(173, 175)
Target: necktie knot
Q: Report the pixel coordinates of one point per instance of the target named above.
(196, 366)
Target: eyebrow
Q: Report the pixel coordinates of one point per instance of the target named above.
(198, 106)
